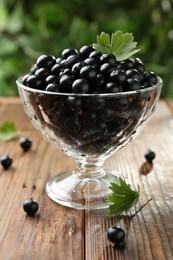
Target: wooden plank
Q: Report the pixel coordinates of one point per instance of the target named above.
(149, 234)
(55, 232)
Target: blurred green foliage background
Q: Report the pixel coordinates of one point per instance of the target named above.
(30, 28)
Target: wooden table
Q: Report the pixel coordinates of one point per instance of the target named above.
(58, 232)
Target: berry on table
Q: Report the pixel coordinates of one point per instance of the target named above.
(116, 235)
(30, 206)
(6, 161)
(149, 155)
(25, 143)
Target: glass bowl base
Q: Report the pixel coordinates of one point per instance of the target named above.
(73, 190)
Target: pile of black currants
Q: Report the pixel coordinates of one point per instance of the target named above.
(73, 97)
(88, 71)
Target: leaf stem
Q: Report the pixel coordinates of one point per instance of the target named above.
(137, 211)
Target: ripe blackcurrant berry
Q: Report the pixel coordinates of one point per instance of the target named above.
(108, 58)
(85, 51)
(128, 63)
(88, 72)
(74, 103)
(149, 155)
(111, 87)
(67, 52)
(6, 161)
(95, 54)
(106, 69)
(76, 68)
(71, 60)
(133, 74)
(25, 143)
(150, 77)
(52, 79)
(30, 206)
(131, 85)
(116, 235)
(80, 86)
(34, 81)
(42, 73)
(24, 79)
(52, 87)
(65, 84)
(138, 65)
(56, 69)
(118, 76)
(45, 61)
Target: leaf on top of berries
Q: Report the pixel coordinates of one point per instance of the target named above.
(121, 45)
(123, 198)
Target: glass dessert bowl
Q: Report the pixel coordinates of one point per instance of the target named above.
(89, 128)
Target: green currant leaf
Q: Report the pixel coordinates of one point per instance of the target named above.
(121, 45)
(8, 131)
(123, 198)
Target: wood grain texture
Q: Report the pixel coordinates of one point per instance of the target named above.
(57, 232)
(53, 232)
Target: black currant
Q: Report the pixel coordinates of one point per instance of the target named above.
(52, 87)
(149, 155)
(56, 69)
(63, 63)
(133, 73)
(99, 82)
(111, 87)
(150, 77)
(68, 52)
(76, 68)
(45, 61)
(116, 235)
(138, 65)
(131, 85)
(65, 71)
(106, 69)
(71, 60)
(88, 72)
(74, 103)
(42, 73)
(35, 82)
(24, 79)
(118, 76)
(128, 63)
(80, 86)
(108, 58)
(95, 55)
(6, 161)
(85, 51)
(25, 143)
(52, 79)
(30, 206)
(65, 84)
(92, 61)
